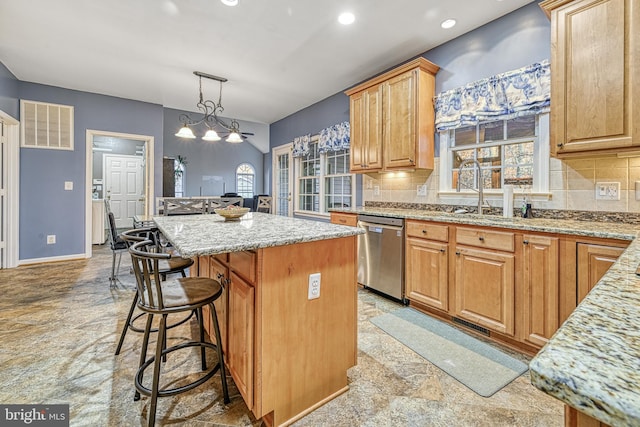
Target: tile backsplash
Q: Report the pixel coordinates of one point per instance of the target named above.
(572, 186)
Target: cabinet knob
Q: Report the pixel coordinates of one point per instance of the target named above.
(424, 231)
(411, 161)
(560, 145)
(481, 238)
(525, 242)
(457, 252)
(442, 250)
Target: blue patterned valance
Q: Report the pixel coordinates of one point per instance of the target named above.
(301, 145)
(515, 93)
(334, 138)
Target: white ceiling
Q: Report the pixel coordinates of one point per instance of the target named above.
(278, 55)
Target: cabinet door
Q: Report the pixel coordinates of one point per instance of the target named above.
(540, 309)
(593, 76)
(593, 262)
(366, 130)
(400, 121)
(484, 288)
(427, 273)
(240, 338)
(220, 272)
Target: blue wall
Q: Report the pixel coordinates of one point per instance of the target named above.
(512, 41)
(9, 92)
(211, 158)
(45, 207)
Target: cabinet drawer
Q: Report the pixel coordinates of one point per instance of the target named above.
(244, 263)
(427, 231)
(344, 219)
(483, 238)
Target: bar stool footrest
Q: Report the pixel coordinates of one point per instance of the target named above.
(173, 391)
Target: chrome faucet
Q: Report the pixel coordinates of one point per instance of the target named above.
(479, 180)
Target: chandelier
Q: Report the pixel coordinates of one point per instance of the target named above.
(210, 118)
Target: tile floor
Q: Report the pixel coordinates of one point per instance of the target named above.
(60, 322)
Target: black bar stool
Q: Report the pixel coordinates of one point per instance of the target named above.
(173, 265)
(157, 297)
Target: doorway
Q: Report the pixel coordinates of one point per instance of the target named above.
(282, 168)
(9, 190)
(119, 165)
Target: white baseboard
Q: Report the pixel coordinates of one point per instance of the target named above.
(52, 259)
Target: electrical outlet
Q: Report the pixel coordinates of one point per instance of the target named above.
(314, 286)
(51, 239)
(376, 190)
(68, 185)
(607, 191)
(421, 190)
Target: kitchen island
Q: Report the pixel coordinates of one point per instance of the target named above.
(287, 344)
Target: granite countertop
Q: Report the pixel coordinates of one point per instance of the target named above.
(195, 235)
(592, 363)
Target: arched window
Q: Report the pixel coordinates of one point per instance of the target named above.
(245, 180)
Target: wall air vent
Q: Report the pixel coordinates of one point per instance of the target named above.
(470, 325)
(46, 125)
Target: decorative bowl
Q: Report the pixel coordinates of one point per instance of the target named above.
(231, 213)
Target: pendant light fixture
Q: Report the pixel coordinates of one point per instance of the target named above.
(210, 118)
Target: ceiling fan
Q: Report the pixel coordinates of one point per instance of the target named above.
(211, 110)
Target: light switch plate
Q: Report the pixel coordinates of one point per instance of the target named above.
(421, 190)
(68, 185)
(376, 190)
(607, 191)
(637, 190)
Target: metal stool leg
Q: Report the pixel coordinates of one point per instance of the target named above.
(223, 373)
(156, 371)
(203, 355)
(126, 323)
(143, 350)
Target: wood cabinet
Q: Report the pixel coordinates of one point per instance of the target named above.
(240, 339)
(392, 119)
(344, 219)
(427, 264)
(365, 115)
(593, 262)
(595, 73)
(540, 307)
(220, 272)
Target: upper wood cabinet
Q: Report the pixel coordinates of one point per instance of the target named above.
(392, 119)
(595, 76)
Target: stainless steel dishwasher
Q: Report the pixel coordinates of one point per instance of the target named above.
(381, 255)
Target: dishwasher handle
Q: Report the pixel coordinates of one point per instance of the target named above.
(365, 224)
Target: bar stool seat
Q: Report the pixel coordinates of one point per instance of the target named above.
(161, 298)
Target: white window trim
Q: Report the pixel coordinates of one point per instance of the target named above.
(541, 156)
(253, 182)
(296, 178)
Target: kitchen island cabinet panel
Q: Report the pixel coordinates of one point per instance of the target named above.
(240, 354)
(593, 262)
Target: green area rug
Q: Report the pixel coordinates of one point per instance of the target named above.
(479, 366)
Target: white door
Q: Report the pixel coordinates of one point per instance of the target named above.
(124, 185)
(282, 168)
(4, 146)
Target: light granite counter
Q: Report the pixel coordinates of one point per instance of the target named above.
(592, 363)
(195, 235)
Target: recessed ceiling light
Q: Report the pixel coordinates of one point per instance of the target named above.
(346, 18)
(448, 23)
(230, 2)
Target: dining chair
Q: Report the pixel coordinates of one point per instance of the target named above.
(117, 245)
(264, 204)
(224, 202)
(181, 206)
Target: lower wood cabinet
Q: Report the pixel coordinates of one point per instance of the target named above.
(484, 288)
(540, 307)
(593, 261)
(240, 339)
(344, 219)
(220, 272)
(427, 272)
